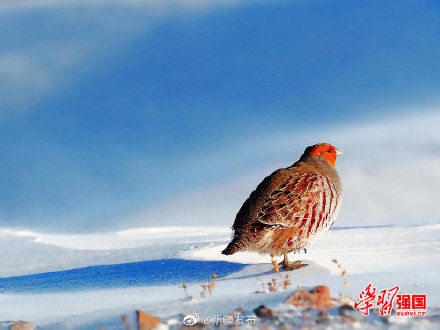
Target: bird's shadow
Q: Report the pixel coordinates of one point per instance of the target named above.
(144, 273)
(257, 270)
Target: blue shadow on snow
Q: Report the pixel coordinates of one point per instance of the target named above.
(144, 273)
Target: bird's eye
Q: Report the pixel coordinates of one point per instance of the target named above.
(329, 151)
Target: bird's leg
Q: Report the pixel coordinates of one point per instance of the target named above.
(285, 260)
(295, 265)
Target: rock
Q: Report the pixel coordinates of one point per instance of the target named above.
(348, 313)
(263, 312)
(300, 298)
(322, 297)
(146, 321)
(346, 310)
(20, 325)
(317, 298)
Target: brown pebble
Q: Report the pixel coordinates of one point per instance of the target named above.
(146, 321)
(317, 298)
(21, 325)
(263, 312)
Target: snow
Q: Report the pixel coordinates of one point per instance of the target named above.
(85, 280)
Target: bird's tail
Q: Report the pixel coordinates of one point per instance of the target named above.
(232, 248)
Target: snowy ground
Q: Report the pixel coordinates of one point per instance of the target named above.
(87, 281)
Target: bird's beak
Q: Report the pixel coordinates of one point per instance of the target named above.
(338, 152)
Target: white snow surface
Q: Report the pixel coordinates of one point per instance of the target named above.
(407, 256)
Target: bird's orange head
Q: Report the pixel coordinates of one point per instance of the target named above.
(324, 150)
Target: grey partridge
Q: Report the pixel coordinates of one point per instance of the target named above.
(290, 208)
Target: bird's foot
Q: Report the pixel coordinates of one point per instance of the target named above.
(292, 266)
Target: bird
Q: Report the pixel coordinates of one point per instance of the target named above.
(290, 208)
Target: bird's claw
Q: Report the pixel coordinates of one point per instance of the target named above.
(292, 266)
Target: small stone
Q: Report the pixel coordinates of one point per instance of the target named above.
(346, 310)
(300, 298)
(20, 325)
(347, 313)
(263, 312)
(322, 297)
(317, 298)
(147, 321)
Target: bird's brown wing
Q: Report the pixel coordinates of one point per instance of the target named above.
(303, 197)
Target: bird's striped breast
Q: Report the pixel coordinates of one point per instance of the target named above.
(308, 202)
